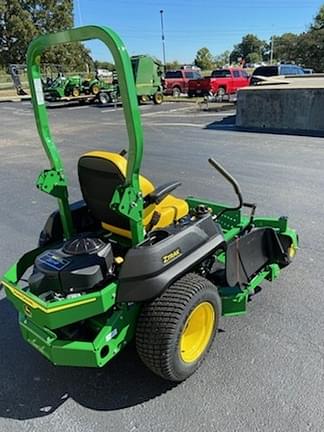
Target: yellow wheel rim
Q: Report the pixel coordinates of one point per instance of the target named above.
(76, 92)
(95, 89)
(197, 332)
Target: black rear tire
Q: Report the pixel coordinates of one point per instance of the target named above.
(104, 98)
(163, 322)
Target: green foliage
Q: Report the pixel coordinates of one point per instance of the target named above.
(248, 49)
(222, 59)
(286, 47)
(306, 49)
(22, 20)
(318, 20)
(310, 50)
(204, 59)
(175, 64)
(104, 65)
(254, 57)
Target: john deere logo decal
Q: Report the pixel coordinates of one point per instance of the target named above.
(171, 256)
(27, 310)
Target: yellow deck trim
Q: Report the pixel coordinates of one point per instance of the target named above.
(35, 305)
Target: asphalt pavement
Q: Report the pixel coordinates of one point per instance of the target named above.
(265, 371)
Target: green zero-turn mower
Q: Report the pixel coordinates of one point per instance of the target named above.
(131, 261)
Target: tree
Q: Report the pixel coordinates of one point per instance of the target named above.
(222, 59)
(22, 20)
(16, 31)
(98, 64)
(204, 60)
(310, 52)
(249, 45)
(254, 57)
(318, 20)
(175, 64)
(285, 47)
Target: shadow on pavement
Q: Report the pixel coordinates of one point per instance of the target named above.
(223, 124)
(228, 123)
(31, 387)
(73, 104)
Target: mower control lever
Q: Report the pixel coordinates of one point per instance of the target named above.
(230, 179)
(233, 182)
(161, 192)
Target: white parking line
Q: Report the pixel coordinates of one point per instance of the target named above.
(177, 124)
(165, 112)
(23, 113)
(198, 114)
(196, 125)
(78, 107)
(110, 110)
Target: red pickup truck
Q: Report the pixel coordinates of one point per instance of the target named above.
(221, 82)
(176, 81)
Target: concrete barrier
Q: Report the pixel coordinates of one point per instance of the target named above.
(289, 109)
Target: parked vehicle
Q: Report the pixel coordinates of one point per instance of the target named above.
(75, 86)
(147, 74)
(275, 70)
(221, 82)
(177, 81)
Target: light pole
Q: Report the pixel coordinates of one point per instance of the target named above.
(163, 38)
(271, 52)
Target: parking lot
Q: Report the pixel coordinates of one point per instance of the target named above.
(265, 371)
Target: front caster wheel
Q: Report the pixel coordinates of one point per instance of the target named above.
(176, 330)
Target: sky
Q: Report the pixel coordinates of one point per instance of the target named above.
(192, 24)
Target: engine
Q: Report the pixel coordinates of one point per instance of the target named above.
(76, 267)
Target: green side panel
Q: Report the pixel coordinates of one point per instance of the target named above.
(147, 78)
(60, 313)
(118, 330)
(64, 353)
(232, 304)
(41, 339)
(113, 333)
(234, 299)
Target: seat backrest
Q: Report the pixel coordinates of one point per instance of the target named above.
(100, 173)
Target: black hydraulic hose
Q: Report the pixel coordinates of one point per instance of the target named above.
(233, 182)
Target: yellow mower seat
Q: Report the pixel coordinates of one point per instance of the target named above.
(100, 173)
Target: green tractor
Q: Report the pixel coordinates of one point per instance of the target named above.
(131, 261)
(75, 86)
(147, 74)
